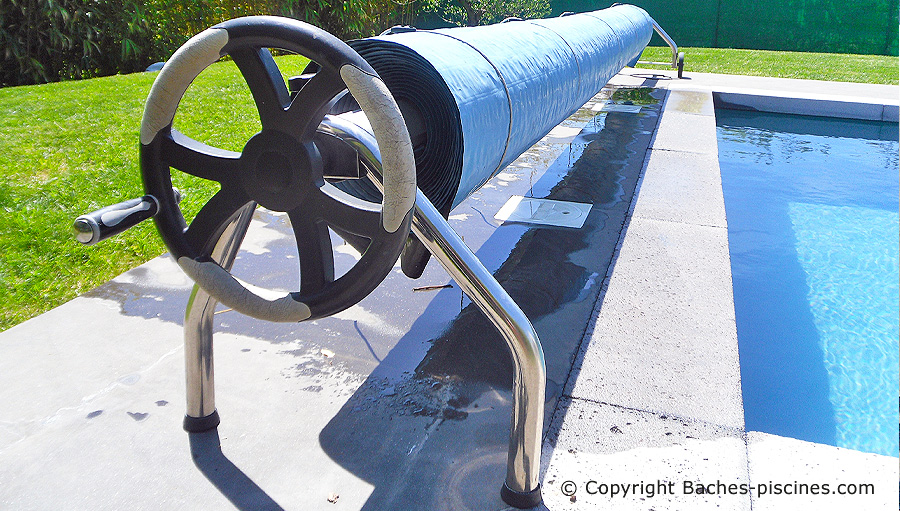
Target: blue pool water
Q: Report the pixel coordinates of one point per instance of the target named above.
(812, 209)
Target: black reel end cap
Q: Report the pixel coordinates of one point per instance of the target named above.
(519, 499)
(201, 424)
(414, 258)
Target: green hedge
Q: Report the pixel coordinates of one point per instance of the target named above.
(53, 40)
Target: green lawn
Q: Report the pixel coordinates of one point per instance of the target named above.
(68, 148)
(783, 64)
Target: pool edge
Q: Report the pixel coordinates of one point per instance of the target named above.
(748, 460)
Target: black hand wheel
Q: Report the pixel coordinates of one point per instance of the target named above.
(280, 167)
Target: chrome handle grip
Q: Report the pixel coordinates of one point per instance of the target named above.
(105, 222)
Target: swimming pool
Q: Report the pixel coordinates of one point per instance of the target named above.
(812, 209)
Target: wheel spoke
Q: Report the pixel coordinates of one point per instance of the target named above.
(266, 84)
(207, 226)
(198, 159)
(314, 252)
(347, 213)
(309, 106)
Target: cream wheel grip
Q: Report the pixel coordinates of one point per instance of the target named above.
(393, 142)
(214, 279)
(176, 76)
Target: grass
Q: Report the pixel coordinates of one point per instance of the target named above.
(72, 147)
(783, 64)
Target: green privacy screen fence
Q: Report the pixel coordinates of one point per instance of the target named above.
(831, 26)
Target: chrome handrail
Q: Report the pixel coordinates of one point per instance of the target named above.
(677, 57)
(201, 412)
(671, 42)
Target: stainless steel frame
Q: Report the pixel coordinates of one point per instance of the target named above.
(671, 42)
(677, 59)
(523, 462)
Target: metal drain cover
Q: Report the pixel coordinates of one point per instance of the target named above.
(544, 212)
(606, 106)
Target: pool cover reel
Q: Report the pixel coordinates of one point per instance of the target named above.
(472, 100)
(475, 98)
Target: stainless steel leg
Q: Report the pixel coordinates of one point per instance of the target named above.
(198, 331)
(522, 488)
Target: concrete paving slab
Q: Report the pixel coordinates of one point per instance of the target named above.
(683, 187)
(665, 338)
(58, 363)
(798, 475)
(690, 102)
(602, 451)
(686, 132)
(123, 444)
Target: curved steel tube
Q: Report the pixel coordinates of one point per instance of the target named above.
(529, 379)
(668, 39)
(198, 323)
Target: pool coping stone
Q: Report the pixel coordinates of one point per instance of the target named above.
(626, 333)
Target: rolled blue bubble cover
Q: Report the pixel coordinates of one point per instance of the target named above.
(475, 98)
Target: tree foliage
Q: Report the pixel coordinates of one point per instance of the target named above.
(52, 40)
(484, 12)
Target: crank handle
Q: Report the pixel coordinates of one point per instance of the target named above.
(98, 225)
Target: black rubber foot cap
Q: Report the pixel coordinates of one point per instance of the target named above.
(521, 500)
(201, 424)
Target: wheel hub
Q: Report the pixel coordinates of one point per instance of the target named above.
(279, 170)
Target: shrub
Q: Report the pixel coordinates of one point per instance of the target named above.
(52, 40)
(483, 12)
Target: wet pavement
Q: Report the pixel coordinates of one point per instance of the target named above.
(416, 380)
(452, 397)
